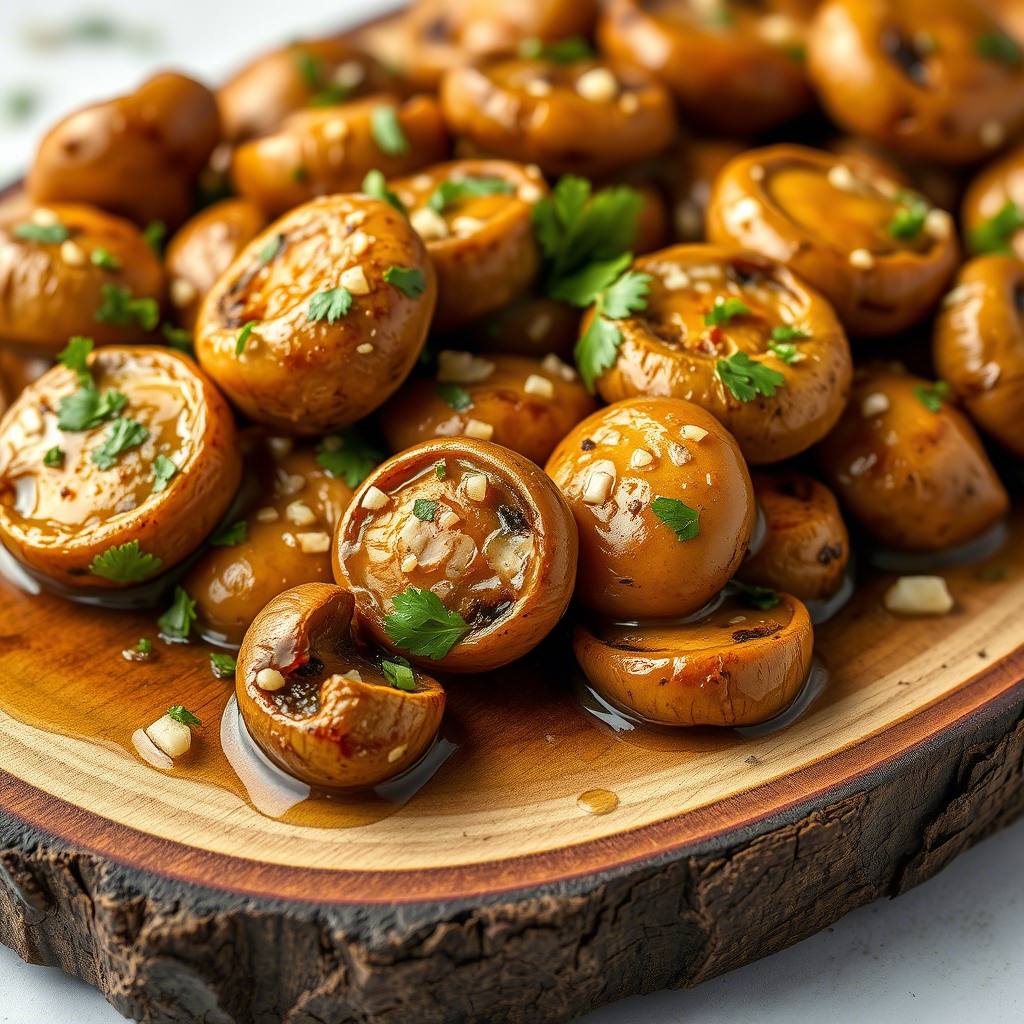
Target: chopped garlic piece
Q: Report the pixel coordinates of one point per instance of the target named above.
(598, 85)
(374, 498)
(598, 488)
(354, 279)
(149, 751)
(314, 543)
(552, 364)
(919, 595)
(640, 458)
(281, 447)
(476, 486)
(938, 225)
(298, 513)
(479, 429)
(44, 217)
(174, 738)
(429, 224)
(409, 563)
(840, 177)
(462, 367)
(862, 259)
(539, 386)
(72, 254)
(270, 679)
(691, 432)
(365, 349)
(354, 674)
(397, 753)
(539, 87)
(182, 292)
(268, 515)
(874, 404)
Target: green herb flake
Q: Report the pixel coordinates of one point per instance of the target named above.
(421, 625)
(310, 70)
(398, 672)
(120, 308)
(75, 357)
(453, 396)
(1000, 48)
(746, 378)
(177, 620)
(994, 235)
(931, 395)
(754, 596)
(163, 470)
(46, 234)
(54, 457)
(104, 259)
(144, 646)
(177, 338)
(223, 666)
(125, 564)
(87, 408)
(911, 213)
(424, 509)
(229, 536)
(564, 51)
(407, 280)
(123, 434)
(440, 470)
(299, 174)
(183, 715)
(329, 305)
(449, 192)
(724, 311)
(387, 132)
(270, 250)
(154, 233)
(243, 336)
(375, 186)
(598, 348)
(682, 520)
(348, 456)
(789, 333)
(789, 354)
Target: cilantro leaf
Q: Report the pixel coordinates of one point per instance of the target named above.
(931, 395)
(723, 311)
(177, 620)
(387, 132)
(154, 233)
(398, 672)
(407, 280)
(440, 469)
(54, 457)
(424, 509)
(144, 646)
(789, 333)
(453, 396)
(125, 564)
(348, 456)
(229, 536)
(75, 357)
(177, 338)
(597, 350)
(243, 336)
(448, 192)
(999, 47)
(754, 596)
(270, 250)
(682, 520)
(564, 51)
(87, 408)
(908, 220)
(746, 378)
(421, 625)
(104, 259)
(120, 308)
(48, 234)
(583, 287)
(789, 354)
(627, 295)
(222, 665)
(163, 470)
(331, 305)
(183, 715)
(375, 186)
(123, 434)
(994, 235)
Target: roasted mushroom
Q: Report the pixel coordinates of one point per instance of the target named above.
(735, 666)
(321, 317)
(663, 502)
(979, 346)
(326, 711)
(137, 156)
(740, 336)
(114, 466)
(460, 553)
(909, 466)
(880, 253)
(993, 208)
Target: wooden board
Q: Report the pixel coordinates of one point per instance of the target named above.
(484, 890)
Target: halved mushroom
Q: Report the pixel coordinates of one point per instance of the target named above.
(138, 155)
(460, 553)
(321, 317)
(331, 713)
(113, 472)
(735, 666)
(879, 252)
(663, 502)
(72, 269)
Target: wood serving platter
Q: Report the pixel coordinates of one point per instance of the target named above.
(485, 889)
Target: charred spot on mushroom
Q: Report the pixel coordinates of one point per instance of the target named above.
(741, 636)
(482, 613)
(587, 445)
(513, 521)
(830, 553)
(313, 667)
(907, 57)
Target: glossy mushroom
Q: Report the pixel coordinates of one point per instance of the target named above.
(736, 666)
(880, 253)
(909, 466)
(116, 473)
(979, 346)
(321, 317)
(461, 554)
(323, 709)
(524, 404)
(993, 207)
(664, 505)
(137, 156)
(740, 336)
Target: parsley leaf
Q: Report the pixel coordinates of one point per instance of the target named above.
(75, 357)
(177, 338)
(330, 305)
(931, 395)
(993, 235)
(789, 333)
(598, 348)
(450, 191)
(424, 509)
(999, 47)
(270, 250)
(125, 564)
(48, 234)
(678, 517)
(723, 311)
(399, 674)
(124, 434)
(348, 456)
(375, 186)
(789, 354)
(119, 308)
(564, 51)
(183, 715)
(243, 336)
(754, 596)
(229, 536)
(325, 93)
(163, 470)
(222, 665)
(387, 132)
(54, 457)
(154, 233)
(746, 378)
(908, 220)
(583, 287)
(440, 469)
(421, 625)
(407, 280)
(453, 396)
(87, 408)
(144, 646)
(104, 258)
(177, 620)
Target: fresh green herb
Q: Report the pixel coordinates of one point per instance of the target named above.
(125, 564)
(222, 665)
(994, 235)
(243, 336)
(598, 348)
(312, 70)
(398, 672)
(163, 470)
(931, 395)
(789, 333)
(719, 17)
(270, 250)
(754, 596)
(329, 305)
(453, 396)
(747, 379)
(154, 233)
(104, 258)
(48, 234)
(177, 337)
(583, 287)
(407, 280)
(449, 192)
(789, 354)
(229, 536)
(87, 408)
(564, 51)
(54, 457)
(723, 311)
(119, 308)
(421, 625)
(999, 47)
(20, 104)
(678, 517)
(387, 132)
(795, 52)
(424, 509)
(908, 220)
(993, 573)
(144, 646)
(123, 434)
(299, 174)
(348, 456)
(375, 186)
(177, 620)
(75, 357)
(183, 715)
(440, 470)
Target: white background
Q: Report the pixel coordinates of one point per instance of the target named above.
(950, 951)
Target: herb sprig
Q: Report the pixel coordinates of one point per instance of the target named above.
(421, 625)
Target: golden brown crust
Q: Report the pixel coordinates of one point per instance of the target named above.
(918, 480)
(998, 185)
(632, 565)
(670, 349)
(336, 722)
(57, 519)
(506, 562)
(979, 345)
(736, 666)
(137, 155)
(831, 222)
(306, 376)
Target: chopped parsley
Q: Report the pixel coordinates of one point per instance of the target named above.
(124, 433)
(183, 715)
(376, 187)
(387, 132)
(746, 378)
(564, 51)
(144, 646)
(993, 235)
(104, 258)
(789, 354)
(440, 470)
(312, 71)
(754, 596)
(424, 509)
(177, 338)
(120, 308)
(163, 470)
(453, 396)
(222, 665)
(931, 395)
(54, 457)
(87, 408)
(908, 220)
(348, 456)
(329, 305)
(270, 250)
(789, 333)
(598, 348)
(229, 536)
(449, 192)
(177, 620)
(999, 47)
(407, 280)
(682, 520)
(243, 336)
(125, 564)
(48, 234)
(75, 357)
(723, 311)
(421, 625)
(398, 673)
(154, 233)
